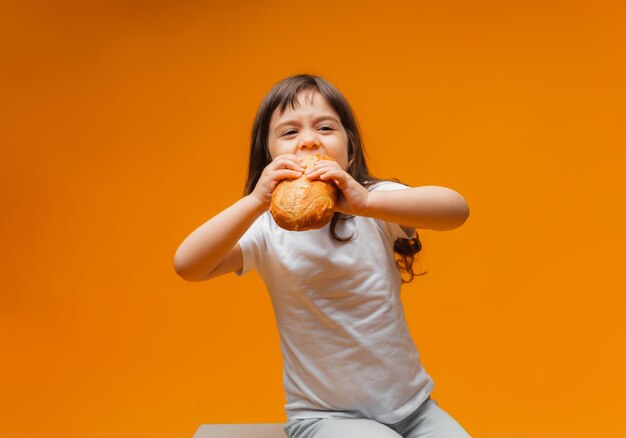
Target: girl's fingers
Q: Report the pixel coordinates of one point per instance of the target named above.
(284, 174)
(314, 175)
(331, 174)
(326, 173)
(326, 163)
(322, 166)
(318, 168)
(286, 161)
(339, 179)
(287, 164)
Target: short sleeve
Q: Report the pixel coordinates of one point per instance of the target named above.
(396, 231)
(252, 245)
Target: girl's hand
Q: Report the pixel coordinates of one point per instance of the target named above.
(282, 167)
(353, 196)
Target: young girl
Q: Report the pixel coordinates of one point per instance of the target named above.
(350, 367)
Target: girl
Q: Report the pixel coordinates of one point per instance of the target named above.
(350, 367)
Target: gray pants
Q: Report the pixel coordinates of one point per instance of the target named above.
(428, 421)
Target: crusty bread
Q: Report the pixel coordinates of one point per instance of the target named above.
(302, 204)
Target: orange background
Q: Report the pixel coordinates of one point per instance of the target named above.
(126, 125)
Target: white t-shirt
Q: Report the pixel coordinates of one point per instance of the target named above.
(347, 351)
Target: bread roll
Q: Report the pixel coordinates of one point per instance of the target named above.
(302, 204)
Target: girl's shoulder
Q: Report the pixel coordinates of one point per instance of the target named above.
(385, 185)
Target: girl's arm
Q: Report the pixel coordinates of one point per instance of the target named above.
(427, 207)
(212, 249)
(214, 244)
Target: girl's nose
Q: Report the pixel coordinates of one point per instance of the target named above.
(312, 144)
(309, 142)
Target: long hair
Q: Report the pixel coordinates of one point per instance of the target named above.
(285, 93)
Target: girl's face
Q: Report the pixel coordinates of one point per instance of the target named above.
(312, 127)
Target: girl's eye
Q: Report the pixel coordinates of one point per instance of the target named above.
(321, 128)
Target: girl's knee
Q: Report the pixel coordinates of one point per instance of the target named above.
(362, 428)
(442, 424)
(340, 428)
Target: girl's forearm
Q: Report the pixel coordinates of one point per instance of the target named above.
(207, 245)
(427, 207)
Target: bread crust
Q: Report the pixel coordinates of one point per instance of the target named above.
(302, 204)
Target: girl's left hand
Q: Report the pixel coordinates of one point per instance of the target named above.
(353, 196)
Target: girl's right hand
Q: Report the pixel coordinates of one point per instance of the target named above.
(282, 167)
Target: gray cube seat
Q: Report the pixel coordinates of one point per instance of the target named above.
(259, 430)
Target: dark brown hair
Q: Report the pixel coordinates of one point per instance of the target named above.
(285, 93)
